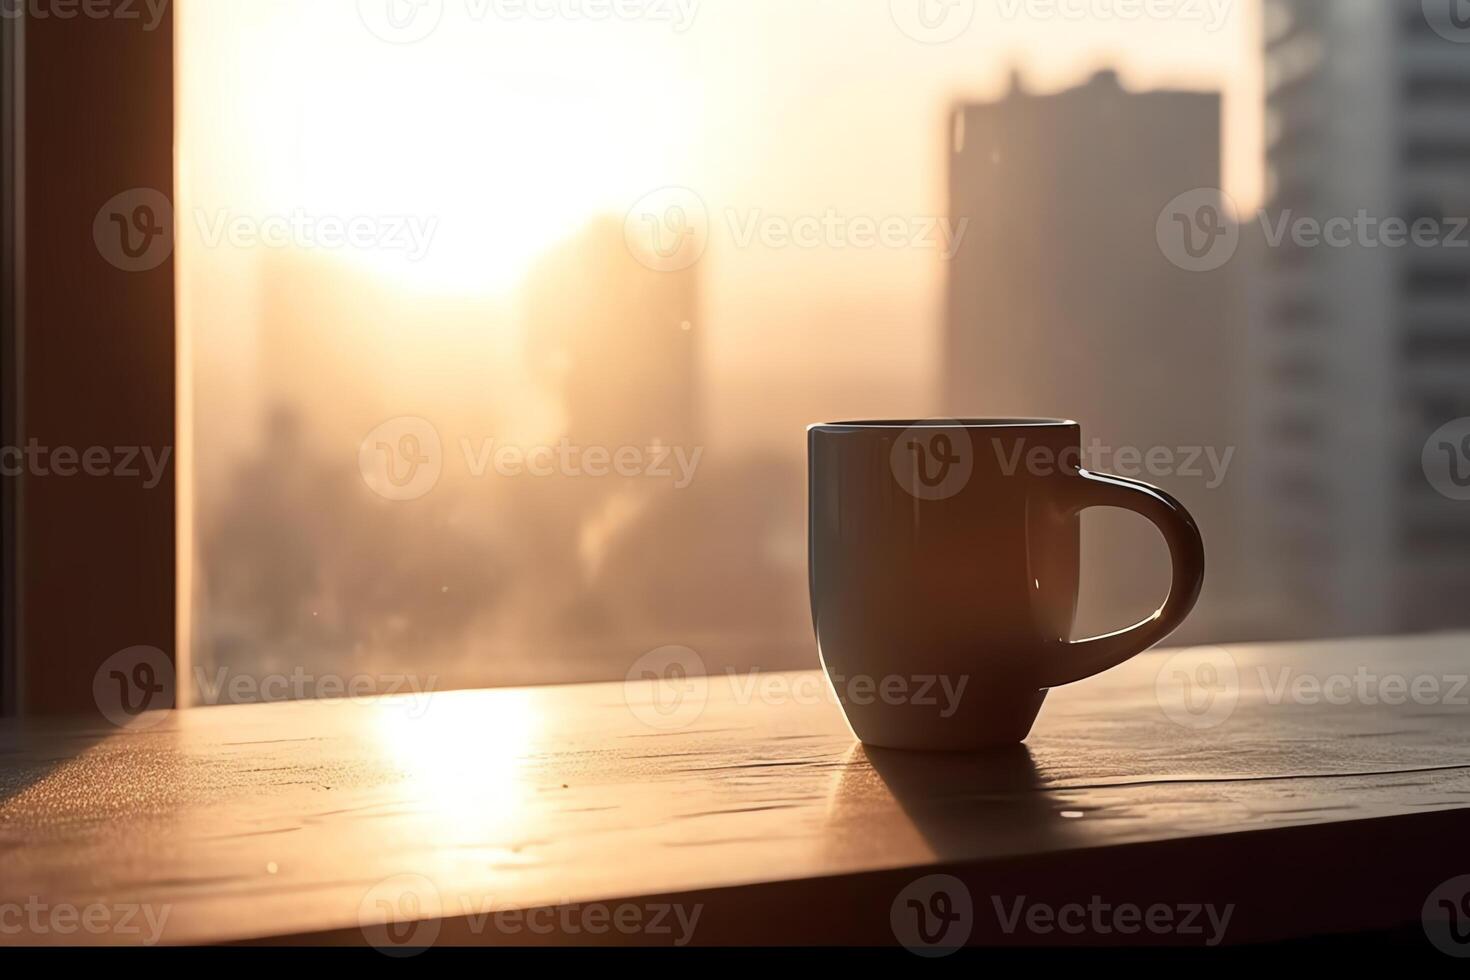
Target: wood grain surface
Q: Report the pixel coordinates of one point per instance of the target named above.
(300, 819)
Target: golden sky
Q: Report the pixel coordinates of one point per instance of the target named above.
(512, 130)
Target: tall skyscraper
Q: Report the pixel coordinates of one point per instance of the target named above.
(1362, 349)
(1062, 302)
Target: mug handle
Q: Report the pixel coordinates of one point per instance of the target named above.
(1084, 658)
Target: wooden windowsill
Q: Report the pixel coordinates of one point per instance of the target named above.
(294, 819)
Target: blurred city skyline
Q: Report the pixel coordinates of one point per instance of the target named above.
(512, 134)
(703, 235)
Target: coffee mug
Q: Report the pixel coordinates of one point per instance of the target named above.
(944, 574)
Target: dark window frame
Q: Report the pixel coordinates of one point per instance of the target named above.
(88, 351)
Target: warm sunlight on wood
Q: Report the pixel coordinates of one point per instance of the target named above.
(465, 758)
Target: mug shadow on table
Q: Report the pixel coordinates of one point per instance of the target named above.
(962, 806)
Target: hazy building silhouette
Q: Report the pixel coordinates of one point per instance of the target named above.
(1362, 349)
(388, 349)
(617, 340)
(709, 564)
(1062, 302)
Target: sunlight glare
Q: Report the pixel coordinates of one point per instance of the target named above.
(464, 755)
(508, 137)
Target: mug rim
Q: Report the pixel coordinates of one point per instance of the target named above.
(943, 423)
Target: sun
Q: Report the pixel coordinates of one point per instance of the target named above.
(493, 139)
